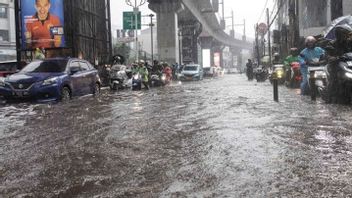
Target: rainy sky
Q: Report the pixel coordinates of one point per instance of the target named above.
(249, 9)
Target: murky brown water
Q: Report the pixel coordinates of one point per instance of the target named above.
(216, 138)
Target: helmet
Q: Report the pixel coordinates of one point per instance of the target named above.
(294, 51)
(310, 39)
(310, 42)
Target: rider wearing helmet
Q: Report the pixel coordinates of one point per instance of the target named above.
(277, 58)
(342, 44)
(335, 49)
(310, 56)
(293, 57)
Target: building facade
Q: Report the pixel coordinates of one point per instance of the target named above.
(298, 19)
(7, 30)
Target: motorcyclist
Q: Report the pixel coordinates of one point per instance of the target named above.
(293, 57)
(143, 71)
(277, 59)
(249, 67)
(335, 49)
(310, 56)
(167, 71)
(39, 54)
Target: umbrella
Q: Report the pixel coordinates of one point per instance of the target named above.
(329, 32)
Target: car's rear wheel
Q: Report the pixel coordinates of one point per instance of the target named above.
(65, 94)
(96, 91)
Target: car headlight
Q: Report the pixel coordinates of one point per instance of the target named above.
(50, 81)
(163, 78)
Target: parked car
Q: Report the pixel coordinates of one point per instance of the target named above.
(52, 79)
(10, 67)
(192, 72)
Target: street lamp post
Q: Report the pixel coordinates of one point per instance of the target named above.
(152, 37)
(136, 6)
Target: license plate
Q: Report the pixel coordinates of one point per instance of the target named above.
(21, 93)
(349, 63)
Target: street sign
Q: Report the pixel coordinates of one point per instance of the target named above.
(262, 28)
(129, 21)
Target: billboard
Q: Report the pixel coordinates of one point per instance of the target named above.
(42, 24)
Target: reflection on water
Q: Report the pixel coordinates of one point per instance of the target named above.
(215, 138)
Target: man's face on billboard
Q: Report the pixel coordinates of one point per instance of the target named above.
(43, 7)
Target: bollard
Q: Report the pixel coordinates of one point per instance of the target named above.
(276, 89)
(313, 89)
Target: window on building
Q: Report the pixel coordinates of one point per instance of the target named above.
(4, 35)
(336, 9)
(3, 10)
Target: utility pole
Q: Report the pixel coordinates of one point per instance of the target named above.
(136, 6)
(233, 35)
(223, 9)
(18, 37)
(152, 37)
(244, 38)
(269, 37)
(257, 43)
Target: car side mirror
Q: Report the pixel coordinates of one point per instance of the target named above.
(74, 70)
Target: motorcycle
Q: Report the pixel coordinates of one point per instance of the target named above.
(339, 82)
(157, 81)
(136, 82)
(317, 80)
(261, 74)
(293, 75)
(118, 78)
(278, 73)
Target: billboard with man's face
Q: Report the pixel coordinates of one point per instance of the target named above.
(42, 24)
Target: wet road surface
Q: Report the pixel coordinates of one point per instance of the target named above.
(216, 138)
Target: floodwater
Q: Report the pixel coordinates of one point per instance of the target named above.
(216, 138)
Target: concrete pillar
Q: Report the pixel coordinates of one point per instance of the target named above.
(167, 29)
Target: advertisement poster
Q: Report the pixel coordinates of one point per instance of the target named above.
(42, 24)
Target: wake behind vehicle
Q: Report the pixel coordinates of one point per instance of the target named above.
(192, 72)
(339, 88)
(52, 80)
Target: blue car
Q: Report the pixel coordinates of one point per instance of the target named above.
(52, 80)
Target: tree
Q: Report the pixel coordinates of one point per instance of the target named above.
(123, 50)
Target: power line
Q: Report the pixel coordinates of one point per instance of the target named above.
(277, 13)
(261, 15)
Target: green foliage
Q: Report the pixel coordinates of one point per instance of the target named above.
(123, 50)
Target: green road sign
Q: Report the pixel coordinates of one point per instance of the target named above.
(129, 20)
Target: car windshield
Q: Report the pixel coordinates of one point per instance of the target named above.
(47, 66)
(191, 68)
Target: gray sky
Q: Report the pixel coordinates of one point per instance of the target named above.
(248, 9)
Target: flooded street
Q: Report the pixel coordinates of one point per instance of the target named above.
(215, 138)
